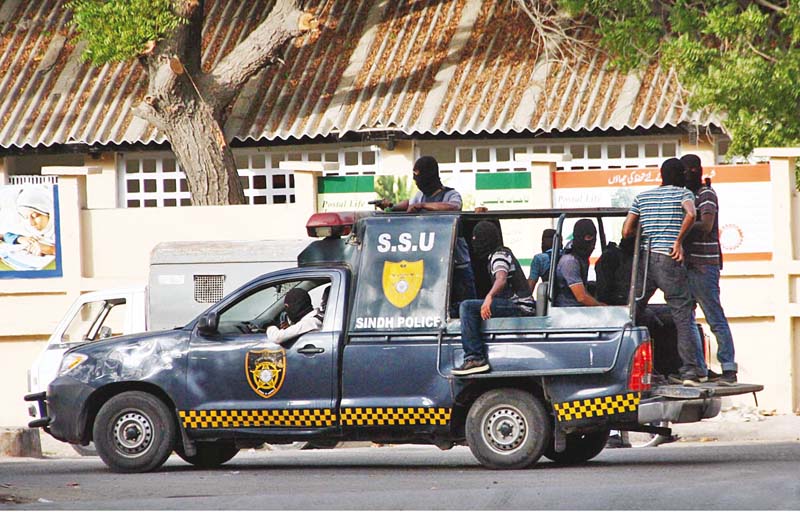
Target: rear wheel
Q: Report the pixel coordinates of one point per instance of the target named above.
(507, 429)
(580, 447)
(209, 455)
(134, 432)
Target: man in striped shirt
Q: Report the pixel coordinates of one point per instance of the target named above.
(508, 296)
(666, 214)
(704, 261)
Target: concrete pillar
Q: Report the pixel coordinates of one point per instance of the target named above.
(399, 160)
(71, 200)
(704, 148)
(101, 187)
(786, 267)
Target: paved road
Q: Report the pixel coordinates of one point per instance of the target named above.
(749, 475)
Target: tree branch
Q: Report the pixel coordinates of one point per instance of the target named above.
(223, 83)
(770, 5)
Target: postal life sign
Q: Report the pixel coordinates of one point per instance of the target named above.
(30, 230)
(403, 274)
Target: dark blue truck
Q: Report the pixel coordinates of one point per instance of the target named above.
(378, 369)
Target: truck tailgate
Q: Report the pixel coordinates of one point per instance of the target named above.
(705, 390)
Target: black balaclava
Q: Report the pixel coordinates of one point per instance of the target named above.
(485, 239)
(298, 304)
(693, 172)
(672, 173)
(581, 246)
(547, 239)
(427, 179)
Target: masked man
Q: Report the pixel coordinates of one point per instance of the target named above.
(508, 296)
(572, 272)
(302, 317)
(704, 262)
(433, 196)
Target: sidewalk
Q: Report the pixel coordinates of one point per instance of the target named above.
(735, 424)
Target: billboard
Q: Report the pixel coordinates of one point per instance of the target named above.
(30, 245)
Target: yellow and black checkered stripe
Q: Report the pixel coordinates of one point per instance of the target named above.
(373, 416)
(595, 407)
(258, 418)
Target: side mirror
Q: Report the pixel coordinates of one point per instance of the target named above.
(208, 323)
(105, 332)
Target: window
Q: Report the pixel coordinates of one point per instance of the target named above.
(96, 320)
(262, 308)
(155, 179)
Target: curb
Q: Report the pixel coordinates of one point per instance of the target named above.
(20, 442)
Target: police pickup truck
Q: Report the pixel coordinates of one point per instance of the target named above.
(379, 368)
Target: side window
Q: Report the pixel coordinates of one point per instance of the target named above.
(96, 320)
(263, 307)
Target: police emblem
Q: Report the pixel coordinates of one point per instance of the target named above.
(265, 371)
(402, 281)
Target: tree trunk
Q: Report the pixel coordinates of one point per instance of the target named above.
(189, 107)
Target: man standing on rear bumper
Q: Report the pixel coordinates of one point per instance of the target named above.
(704, 261)
(666, 214)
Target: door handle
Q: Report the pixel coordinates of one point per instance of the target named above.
(310, 350)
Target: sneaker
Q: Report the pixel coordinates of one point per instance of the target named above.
(471, 366)
(713, 376)
(687, 380)
(728, 378)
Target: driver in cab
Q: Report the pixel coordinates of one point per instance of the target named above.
(302, 317)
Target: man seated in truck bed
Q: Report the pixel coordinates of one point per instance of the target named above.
(573, 268)
(508, 296)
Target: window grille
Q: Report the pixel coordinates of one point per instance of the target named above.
(155, 179)
(208, 289)
(586, 155)
(33, 179)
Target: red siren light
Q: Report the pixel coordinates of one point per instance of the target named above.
(327, 224)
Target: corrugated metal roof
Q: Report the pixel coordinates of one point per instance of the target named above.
(416, 66)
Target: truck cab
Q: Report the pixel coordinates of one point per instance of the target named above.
(379, 367)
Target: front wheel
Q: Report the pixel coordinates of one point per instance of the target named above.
(507, 429)
(209, 455)
(134, 432)
(580, 447)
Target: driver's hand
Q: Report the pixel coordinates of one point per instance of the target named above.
(284, 325)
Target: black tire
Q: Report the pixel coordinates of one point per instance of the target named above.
(85, 451)
(580, 447)
(209, 455)
(134, 432)
(507, 429)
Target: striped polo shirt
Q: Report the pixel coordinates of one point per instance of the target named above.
(703, 248)
(661, 215)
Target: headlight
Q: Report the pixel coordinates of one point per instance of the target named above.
(69, 362)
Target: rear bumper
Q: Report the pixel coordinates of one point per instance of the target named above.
(678, 411)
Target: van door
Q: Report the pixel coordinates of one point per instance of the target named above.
(236, 379)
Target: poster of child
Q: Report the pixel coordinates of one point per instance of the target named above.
(27, 228)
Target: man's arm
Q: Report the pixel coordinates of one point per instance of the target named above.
(706, 222)
(630, 225)
(688, 221)
(500, 278)
(582, 296)
(280, 336)
(433, 207)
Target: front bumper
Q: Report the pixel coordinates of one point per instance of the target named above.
(63, 410)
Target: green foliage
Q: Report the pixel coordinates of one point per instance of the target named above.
(393, 188)
(738, 59)
(118, 30)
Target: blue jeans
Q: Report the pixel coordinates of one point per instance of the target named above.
(462, 288)
(671, 277)
(704, 285)
(470, 312)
